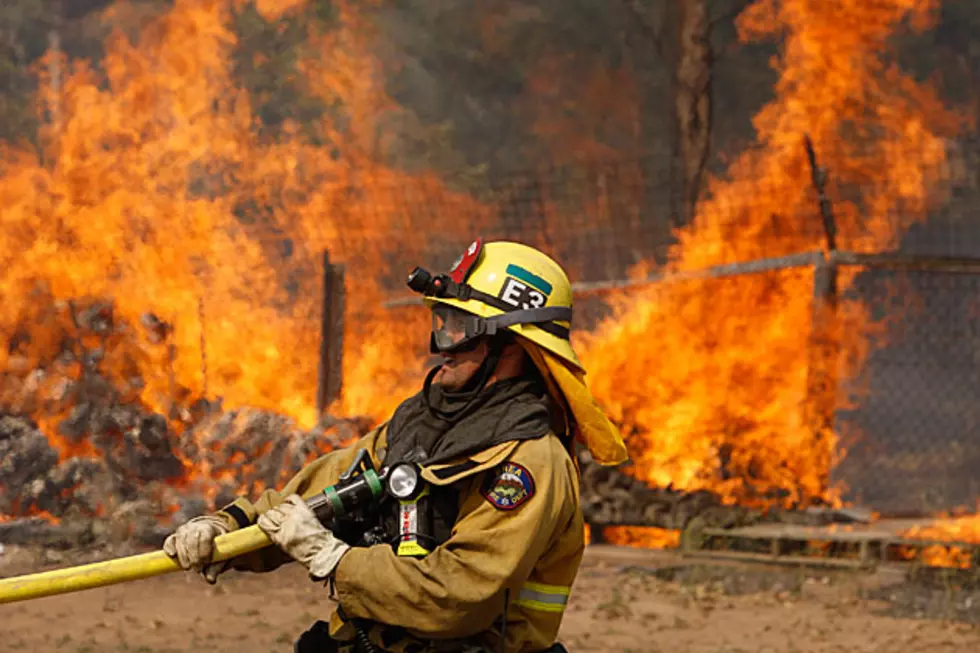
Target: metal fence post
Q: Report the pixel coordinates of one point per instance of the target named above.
(330, 367)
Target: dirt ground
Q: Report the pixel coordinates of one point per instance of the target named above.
(624, 600)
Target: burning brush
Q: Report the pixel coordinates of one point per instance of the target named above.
(96, 452)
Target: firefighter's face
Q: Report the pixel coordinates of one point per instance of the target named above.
(458, 368)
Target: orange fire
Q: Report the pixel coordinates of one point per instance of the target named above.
(640, 537)
(709, 379)
(39, 514)
(156, 188)
(644, 537)
(960, 530)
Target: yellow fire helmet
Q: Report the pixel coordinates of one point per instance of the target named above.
(495, 286)
(503, 285)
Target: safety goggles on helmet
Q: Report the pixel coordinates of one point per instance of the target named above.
(512, 287)
(506, 296)
(455, 330)
(468, 327)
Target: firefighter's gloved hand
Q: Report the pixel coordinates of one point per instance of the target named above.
(294, 528)
(192, 545)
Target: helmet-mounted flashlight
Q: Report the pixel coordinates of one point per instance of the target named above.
(448, 285)
(419, 280)
(423, 282)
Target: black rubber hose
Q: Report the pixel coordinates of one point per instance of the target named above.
(364, 644)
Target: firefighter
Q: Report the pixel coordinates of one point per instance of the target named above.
(483, 559)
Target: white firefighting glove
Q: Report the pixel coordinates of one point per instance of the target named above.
(294, 528)
(192, 545)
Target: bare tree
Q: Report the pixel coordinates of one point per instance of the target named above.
(681, 33)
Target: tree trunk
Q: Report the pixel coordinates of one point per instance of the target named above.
(692, 96)
(652, 46)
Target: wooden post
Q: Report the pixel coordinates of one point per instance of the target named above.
(819, 177)
(824, 337)
(172, 411)
(204, 347)
(330, 368)
(597, 534)
(54, 65)
(822, 366)
(54, 73)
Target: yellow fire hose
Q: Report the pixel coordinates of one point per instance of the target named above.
(343, 498)
(121, 570)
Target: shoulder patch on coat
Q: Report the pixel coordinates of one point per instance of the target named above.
(508, 486)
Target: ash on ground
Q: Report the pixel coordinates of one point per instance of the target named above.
(932, 593)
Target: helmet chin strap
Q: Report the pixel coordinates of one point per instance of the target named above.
(473, 386)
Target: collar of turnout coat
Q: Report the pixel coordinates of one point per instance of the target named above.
(506, 412)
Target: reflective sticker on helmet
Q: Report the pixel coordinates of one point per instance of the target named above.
(529, 278)
(520, 295)
(508, 486)
(461, 268)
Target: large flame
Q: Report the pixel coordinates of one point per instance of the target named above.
(158, 201)
(709, 378)
(156, 188)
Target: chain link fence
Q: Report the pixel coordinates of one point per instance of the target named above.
(913, 434)
(904, 407)
(906, 414)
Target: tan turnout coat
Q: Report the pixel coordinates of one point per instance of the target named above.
(530, 554)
